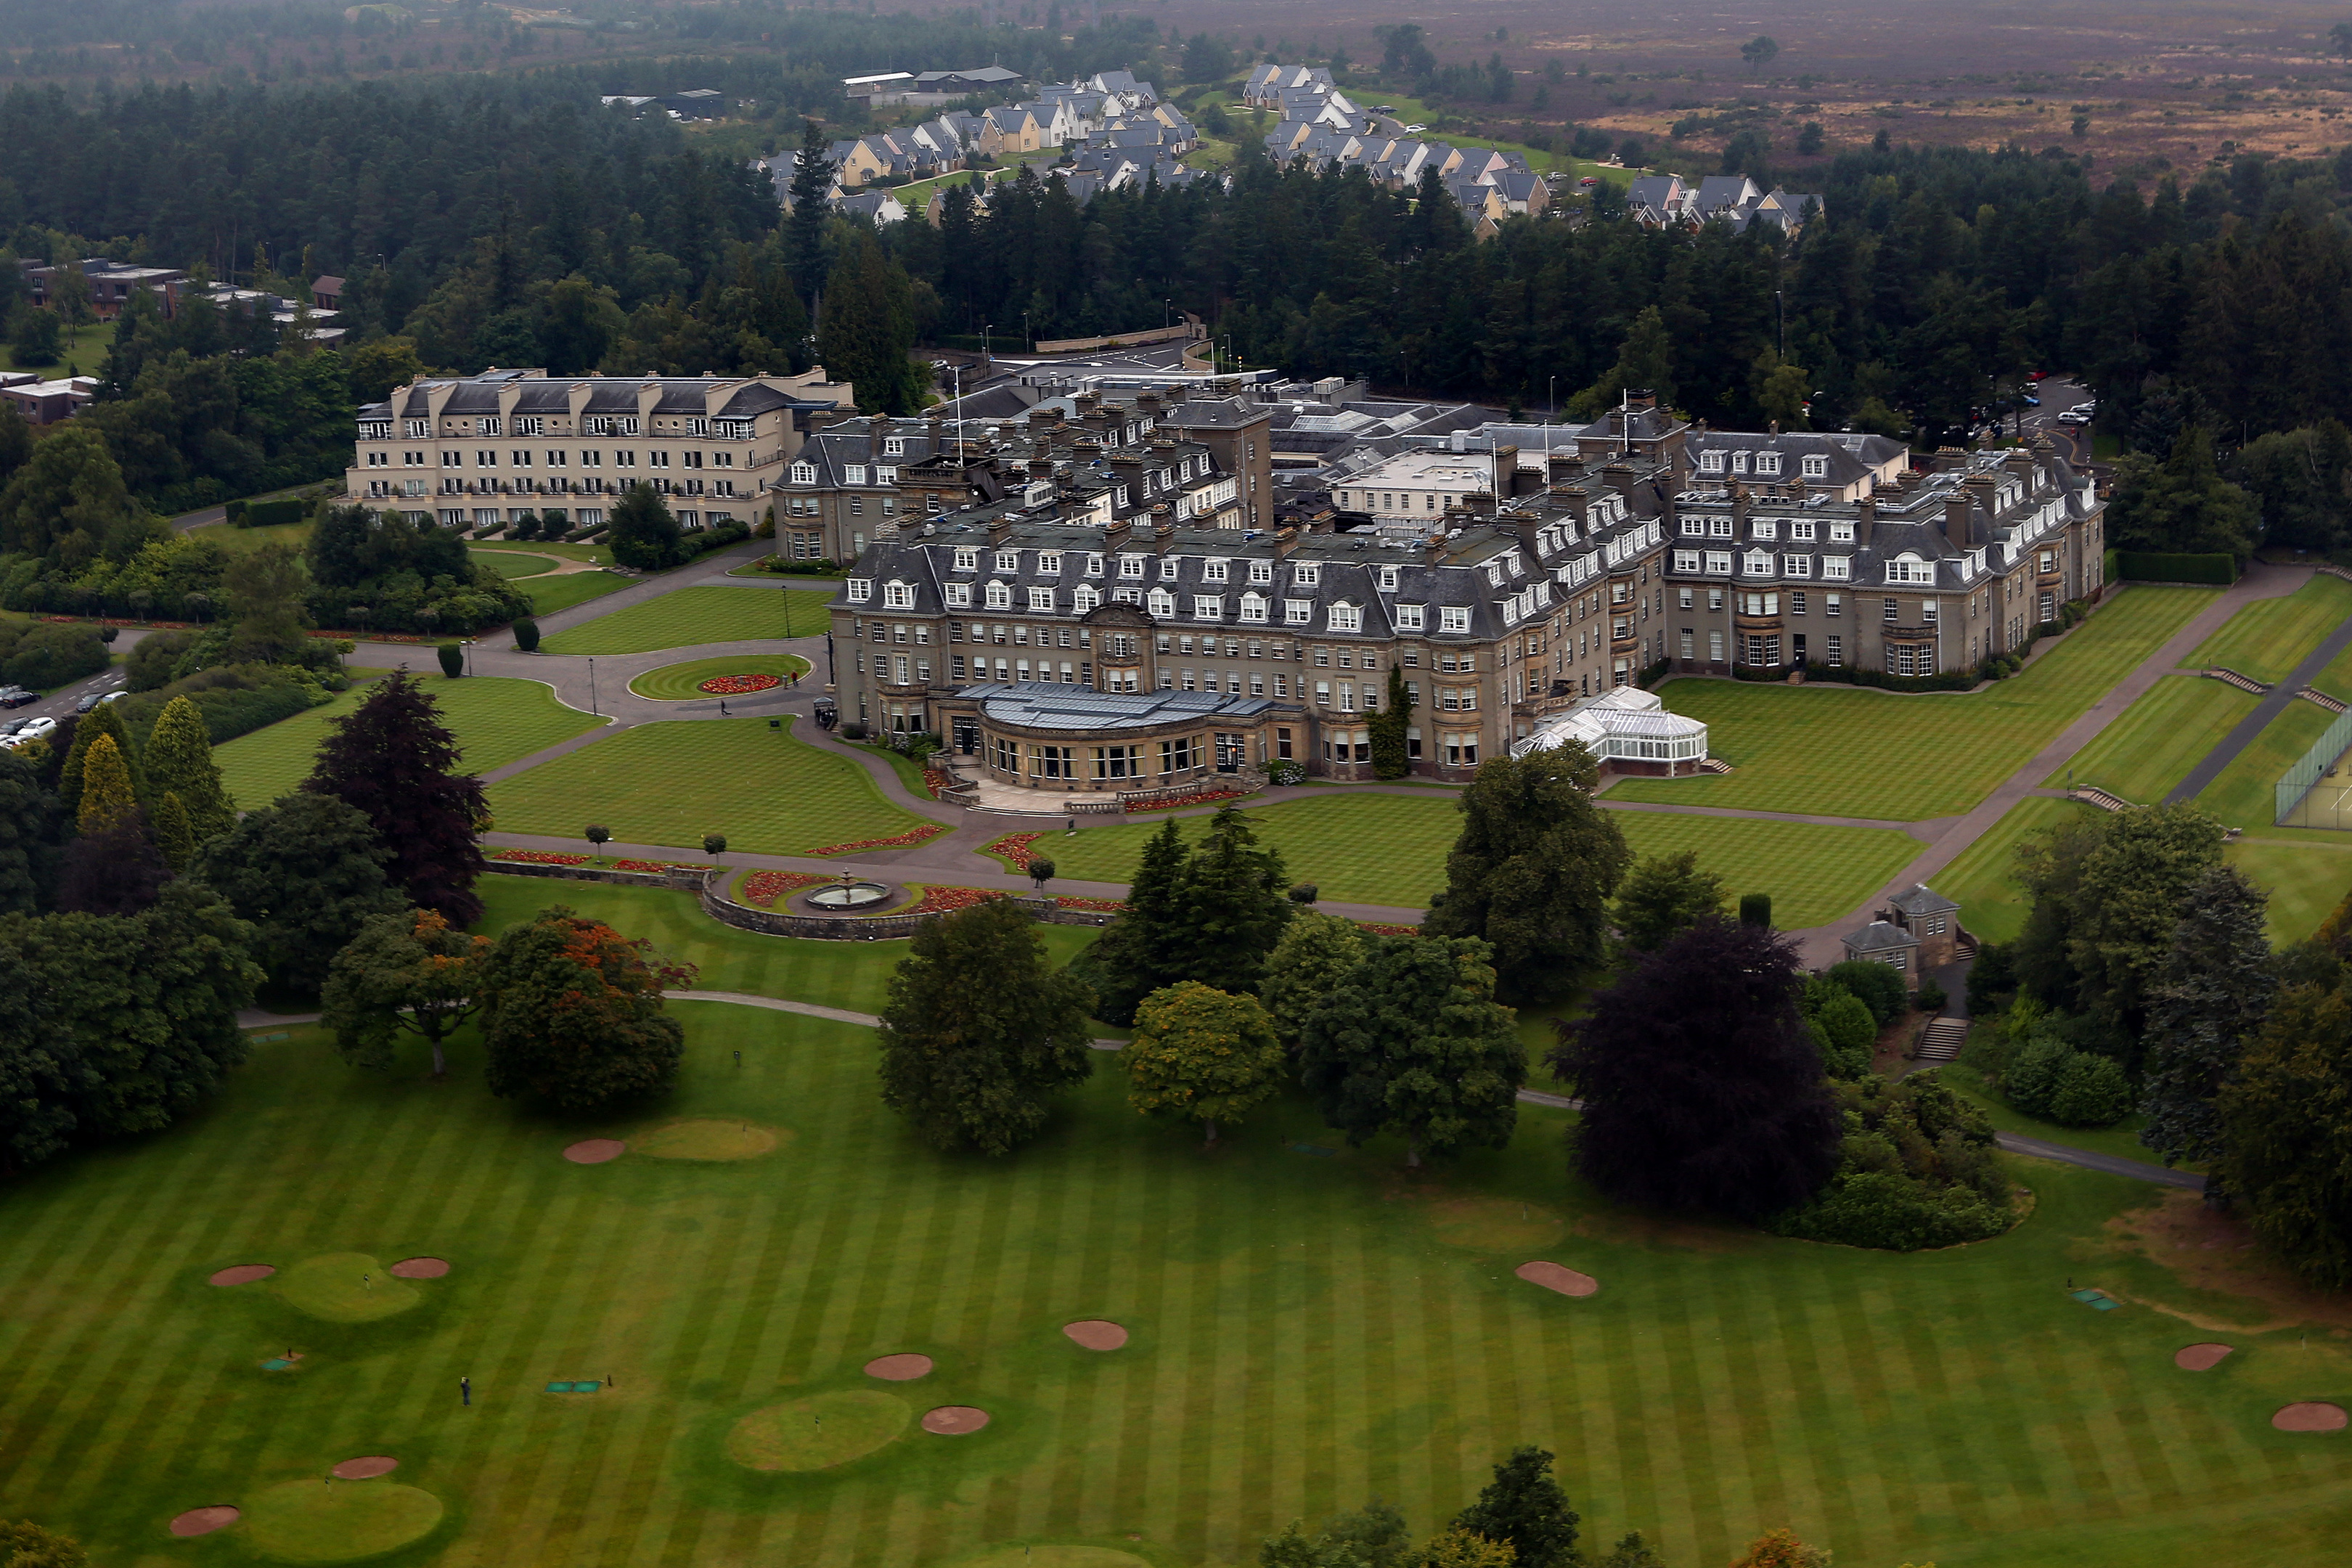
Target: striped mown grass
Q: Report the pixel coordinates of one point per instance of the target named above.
(831, 974)
(1983, 880)
(701, 614)
(1307, 1332)
(682, 682)
(672, 782)
(1391, 850)
(2158, 739)
(2305, 879)
(2268, 638)
(1842, 751)
(2246, 793)
(498, 720)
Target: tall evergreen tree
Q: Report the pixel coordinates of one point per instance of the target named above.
(865, 333)
(1702, 1086)
(175, 841)
(1231, 906)
(1388, 727)
(2206, 1003)
(1533, 871)
(1413, 1042)
(805, 229)
(645, 535)
(1524, 1506)
(979, 1033)
(102, 719)
(179, 758)
(393, 760)
(114, 870)
(2183, 504)
(106, 797)
(29, 832)
(1137, 952)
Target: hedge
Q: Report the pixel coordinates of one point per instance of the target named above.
(269, 513)
(234, 700)
(2154, 566)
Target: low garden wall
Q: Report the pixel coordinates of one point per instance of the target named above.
(687, 881)
(864, 928)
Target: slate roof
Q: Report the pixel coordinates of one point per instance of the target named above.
(1878, 936)
(1040, 705)
(1920, 900)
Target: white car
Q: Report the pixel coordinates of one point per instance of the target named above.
(2071, 418)
(34, 730)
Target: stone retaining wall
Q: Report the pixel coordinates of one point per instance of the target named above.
(865, 928)
(686, 881)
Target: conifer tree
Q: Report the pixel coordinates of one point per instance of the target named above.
(393, 760)
(29, 828)
(1135, 955)
(179, 760)
(175, 839)
(805, 229)
(1388, 728)
(1231, 907)
(101, 720)
(1524, 1507)
(2208, 999)
(106, 797)
(865, 333)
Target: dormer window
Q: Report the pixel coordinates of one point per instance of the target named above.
(1453, 618)
(1094, 565)
(1213, 571)
(1408, 618)
(1049, 563)
(1841, 533)
(893, 446)
(1041, 600)
(1160, 602)
(1131, 565)
(804, 473)
(1388, 579)
(886, 475)
(1261, 571)
(1739, 462)
(1084, 599)
(861, 589)
(855, 473)
(1118, 496)
(1710, 462)
(1764, 527)
(967, 558)
(1000, 596)
(1008, 561)
(898, 595)
(1345, 617)
(1306, 576)
(1254, 608)
(1803, 532)
(1768, 464)
(1817, 467)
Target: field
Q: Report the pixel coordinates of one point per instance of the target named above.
(2159, 739)
(81, 351)
(691, 615)
(2246, 795)
(1981, 880)
(2305, 879)
(2268, 638)
(1307, 1332)
(549, 595)
(515, 562)
(497, 720)
(682, 682)
(767, 791)
(1852, 751)
(1391, 850)
(829, 974)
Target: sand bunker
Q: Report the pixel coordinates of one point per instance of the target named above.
(2309, 1416)
(1552, 1277)
(595, 1150)
(1096, 1334)
(420, 1268)
(365, 1469)
(244, 1274)
(2200, 1358)
(204, 1521)
(954, 1420)
(904, 1367)
(709, 1139)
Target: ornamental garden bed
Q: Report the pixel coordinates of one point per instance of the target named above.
(591, 862)
(739, 685)
(922, 835)
(763, 889)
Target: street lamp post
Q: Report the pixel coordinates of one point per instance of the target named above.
(987, 355)
(592, 687)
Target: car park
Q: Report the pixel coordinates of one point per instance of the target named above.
(33, 729)
(17, 697)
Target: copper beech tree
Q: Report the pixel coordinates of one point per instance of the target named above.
(572, 1011)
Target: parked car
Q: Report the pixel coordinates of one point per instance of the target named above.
(16, 697)
(2071, 418)
(86, 702)
(2031, 401)
(33, 729)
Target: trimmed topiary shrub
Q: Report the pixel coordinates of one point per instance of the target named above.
(1755, 909)
(453, 659)
(526, 635)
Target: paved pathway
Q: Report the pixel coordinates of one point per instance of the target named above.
(1820, 946)
(2114, 1164)
(2273, 704)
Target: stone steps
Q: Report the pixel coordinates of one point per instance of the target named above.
(1942, 1039)
(2092, 794)
(2232, 678)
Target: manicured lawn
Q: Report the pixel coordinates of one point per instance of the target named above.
(1307, 1332)
(245, 541)
(2305, 879)
(1982, 880)
(693, 616)
(682, 682)
(81, 351)
(581, 552)
(851, 975)
(1391, 849)
(670, 783)
(515, 563)
(2246, 795)
(2159, 739)
(2267, 639)
(498, 721)
(2121, 1139)
(549, 595)
(1850, 751)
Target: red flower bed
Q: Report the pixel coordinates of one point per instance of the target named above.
(656, 866)
(936, 781)
(1379, 928)
(1100, 906)
(1015, 847)
(764, 887)
(1203, 797)
(737, 684)
(943, 900)
(542, 857)
(916, 836)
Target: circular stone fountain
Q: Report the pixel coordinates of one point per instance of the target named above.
(837, 896)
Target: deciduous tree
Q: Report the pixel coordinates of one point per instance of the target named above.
(25, 1544)
(1315, 954)
(979, 1033)
(1701, 1084)
(1413, 1042)
(1524, 1507)
(1663, 896)
(1781, 1549)
(1533, 870)
(406, 972)
(572, 1011)
(395, 760)
(307, 872)
(2286, 1133)
(1202, 1054)
(2183, 504)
